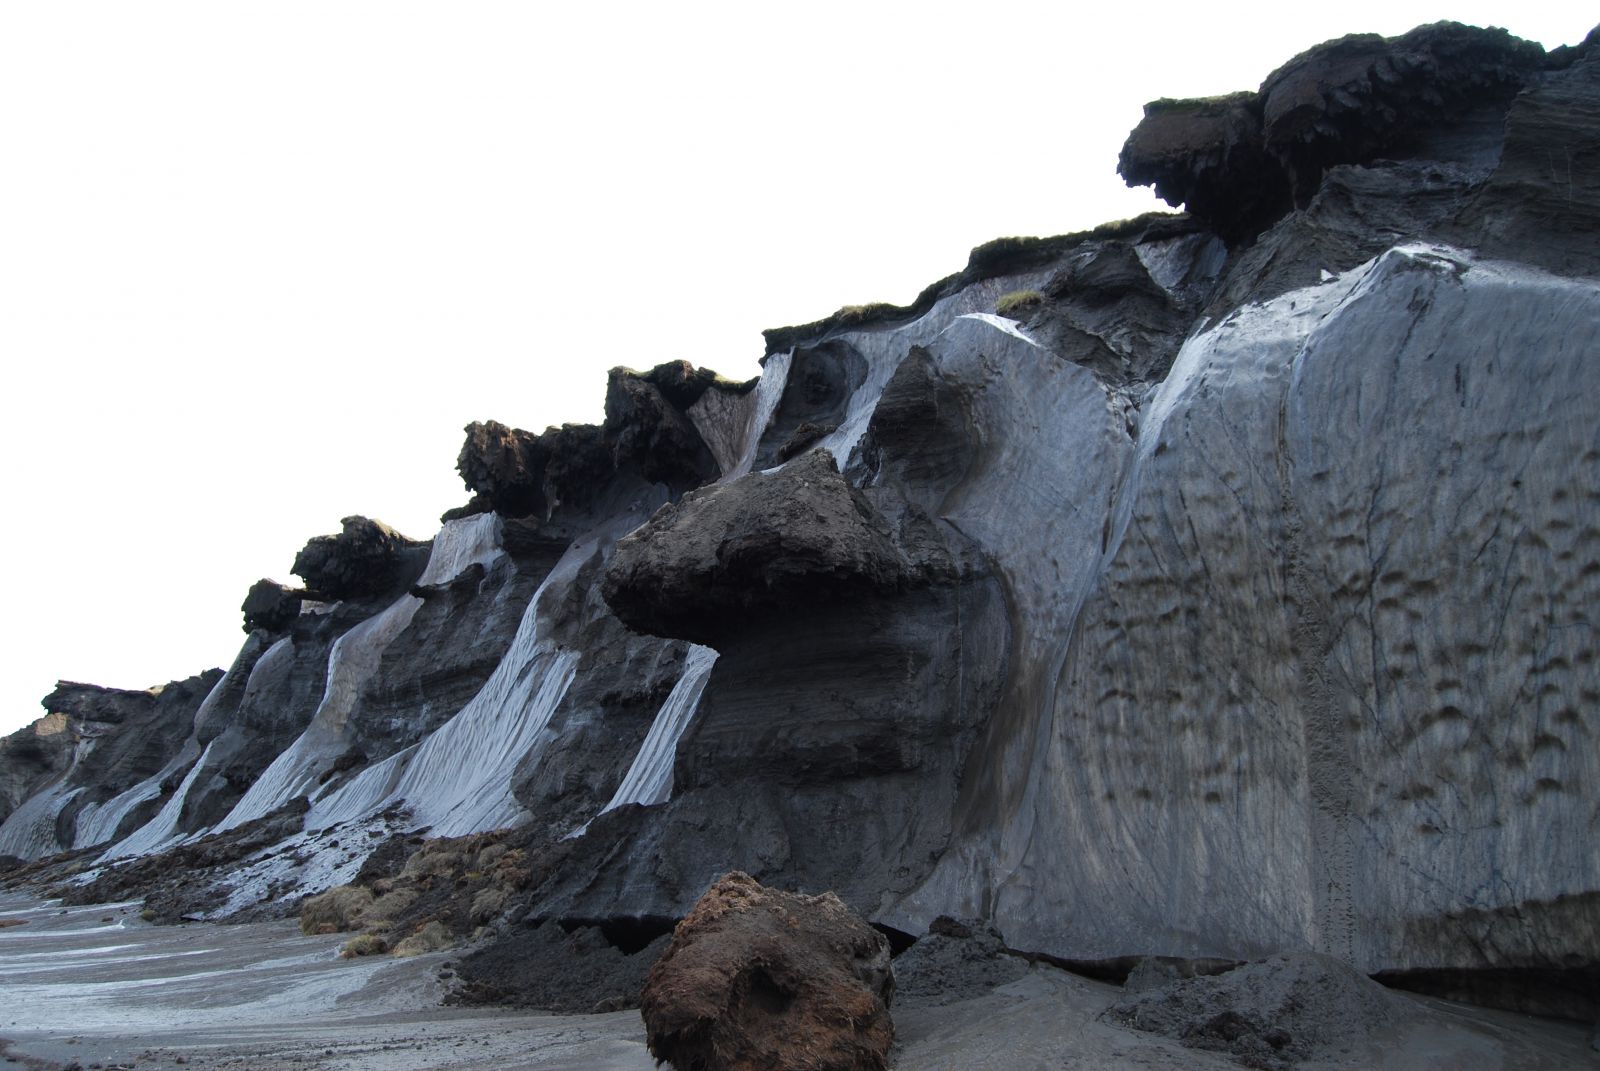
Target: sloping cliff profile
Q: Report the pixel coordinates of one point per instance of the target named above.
(1208, 585)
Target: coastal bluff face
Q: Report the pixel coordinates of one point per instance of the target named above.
(1208, 586)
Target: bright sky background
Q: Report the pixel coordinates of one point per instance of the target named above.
(260, 263)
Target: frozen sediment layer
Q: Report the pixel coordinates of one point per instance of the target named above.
(1318, 671)
(723, 420)
(351, 664)
(459, 779)
(29, 832)
(875, 350)
(461, 544)
(766, 396)
(162, 830)
(355, 658)
(1174, 263)
(649, 779)
(884, 349)
(97, 823)
(58, 818)
(1447, 599)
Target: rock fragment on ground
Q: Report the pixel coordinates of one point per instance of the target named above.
(956, 960)
(761, 980)
(1270, 1014)
(552, 969)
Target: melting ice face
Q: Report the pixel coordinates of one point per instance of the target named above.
(769, 392)
(354, 659)
(458, 780)
(163, 828)
(649, 780)
(29, 832)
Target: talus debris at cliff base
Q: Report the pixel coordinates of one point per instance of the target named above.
(1204, 587)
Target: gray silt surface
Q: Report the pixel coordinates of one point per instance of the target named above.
(82, 990)
(78, 989)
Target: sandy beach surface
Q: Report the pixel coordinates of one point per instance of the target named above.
(97, 987)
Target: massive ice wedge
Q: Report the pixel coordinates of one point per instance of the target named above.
(649, 779)
(355, 658)
(459, 779)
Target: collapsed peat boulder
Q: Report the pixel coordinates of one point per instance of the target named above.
(761, 980)
(770, 543)
(648, 434)
(365, 558)
(645, 429)
(271, 606)
(1241, 162)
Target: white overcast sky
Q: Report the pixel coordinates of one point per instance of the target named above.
(260, 263)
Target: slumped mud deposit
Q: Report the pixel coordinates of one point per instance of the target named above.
(1206, 588)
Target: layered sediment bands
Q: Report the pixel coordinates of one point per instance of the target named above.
(281, 693)
(275, 687)
(863, 643)
(31, 757)
(452, 644)
(1203, 586)
(345, 730)
(621, 682)
(270, 606)
(835, 764)
(1208, 156)
(727, 556)
(366, 559)
(648, 781)
(1236, 587)
(87, 769)
(463, 777)
(817, 387)
(1241, 162)
(1543, 203)
(517, 473)
(138, 748)
(644, 428)
(651, 433)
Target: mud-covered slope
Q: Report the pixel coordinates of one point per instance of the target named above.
(1206, 585)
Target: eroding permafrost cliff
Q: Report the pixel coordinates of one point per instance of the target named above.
(1208, 585)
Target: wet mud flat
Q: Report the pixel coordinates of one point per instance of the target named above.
(96, 985)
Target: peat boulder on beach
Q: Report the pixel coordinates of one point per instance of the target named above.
(761, 980)
(365, 558)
